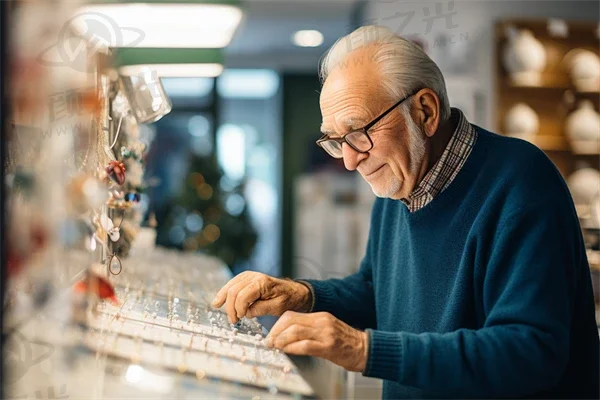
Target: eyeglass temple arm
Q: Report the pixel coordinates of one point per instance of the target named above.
(386, 112)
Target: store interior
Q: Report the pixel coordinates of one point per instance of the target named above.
(154, 149)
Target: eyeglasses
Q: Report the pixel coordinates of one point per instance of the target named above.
(359, 140)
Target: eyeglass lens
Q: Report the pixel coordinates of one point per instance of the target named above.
(357, 140)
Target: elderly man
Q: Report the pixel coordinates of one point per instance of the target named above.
(475, 281)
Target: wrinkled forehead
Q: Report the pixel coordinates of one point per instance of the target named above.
(350, 98)
(342, 84)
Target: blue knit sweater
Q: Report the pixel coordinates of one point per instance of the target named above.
(485, 292)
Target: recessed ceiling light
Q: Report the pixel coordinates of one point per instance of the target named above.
(180, 25)
(308, 38)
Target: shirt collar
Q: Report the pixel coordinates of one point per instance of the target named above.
(446, 168)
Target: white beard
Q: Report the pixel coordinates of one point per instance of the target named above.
(416, 145)
(416, 148)
(390, 187)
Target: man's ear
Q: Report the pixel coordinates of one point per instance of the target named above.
(427, 106)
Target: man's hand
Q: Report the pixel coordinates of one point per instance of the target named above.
(252, 294)
(320, 335)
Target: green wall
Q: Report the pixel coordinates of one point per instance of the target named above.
(301, 123)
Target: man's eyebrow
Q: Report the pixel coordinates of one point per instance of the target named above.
(350, 124)
(354, 124)
(328, 132)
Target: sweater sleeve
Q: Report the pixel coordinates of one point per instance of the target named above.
(350, 299)
(528, 284)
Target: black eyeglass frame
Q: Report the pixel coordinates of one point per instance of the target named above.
(364, 130)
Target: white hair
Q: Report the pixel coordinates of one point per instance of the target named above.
(404, 66)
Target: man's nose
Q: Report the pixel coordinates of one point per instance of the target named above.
(352, 157)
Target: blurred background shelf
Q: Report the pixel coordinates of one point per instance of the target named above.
(549, 84)
(545, 142)
(553, 96)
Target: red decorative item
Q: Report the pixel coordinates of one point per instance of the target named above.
(19, 253)
(116, 171)
(97, 285)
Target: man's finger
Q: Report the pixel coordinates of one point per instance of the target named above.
(246, 297)
(289, 318)
(221, 296)
(306, 347)
(232, 294)
(263, 307)
(294, 333)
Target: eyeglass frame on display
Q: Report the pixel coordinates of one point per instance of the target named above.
(364, 130)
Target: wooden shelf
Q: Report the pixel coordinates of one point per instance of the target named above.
(547, 143)
(578, 30)
(507, 82)
(586, 153)
(559, 143)
(587, 92)
(550, 86)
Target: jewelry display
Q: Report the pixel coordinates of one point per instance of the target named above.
(116, 320)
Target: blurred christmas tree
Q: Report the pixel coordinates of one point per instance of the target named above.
(210, 215)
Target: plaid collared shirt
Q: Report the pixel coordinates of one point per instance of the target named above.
(447, 167)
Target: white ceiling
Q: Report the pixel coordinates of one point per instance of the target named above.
(263, 38)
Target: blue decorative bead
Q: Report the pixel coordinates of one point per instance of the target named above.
(132, 197)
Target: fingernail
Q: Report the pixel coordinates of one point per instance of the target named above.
(269, 341)
(215, 301)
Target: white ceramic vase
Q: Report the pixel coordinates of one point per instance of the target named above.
(584, 69)
(584, 185)
(524, 57)
(583, 128)
(521, 120)
(594, 220)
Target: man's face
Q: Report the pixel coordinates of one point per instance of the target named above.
(351, 98)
